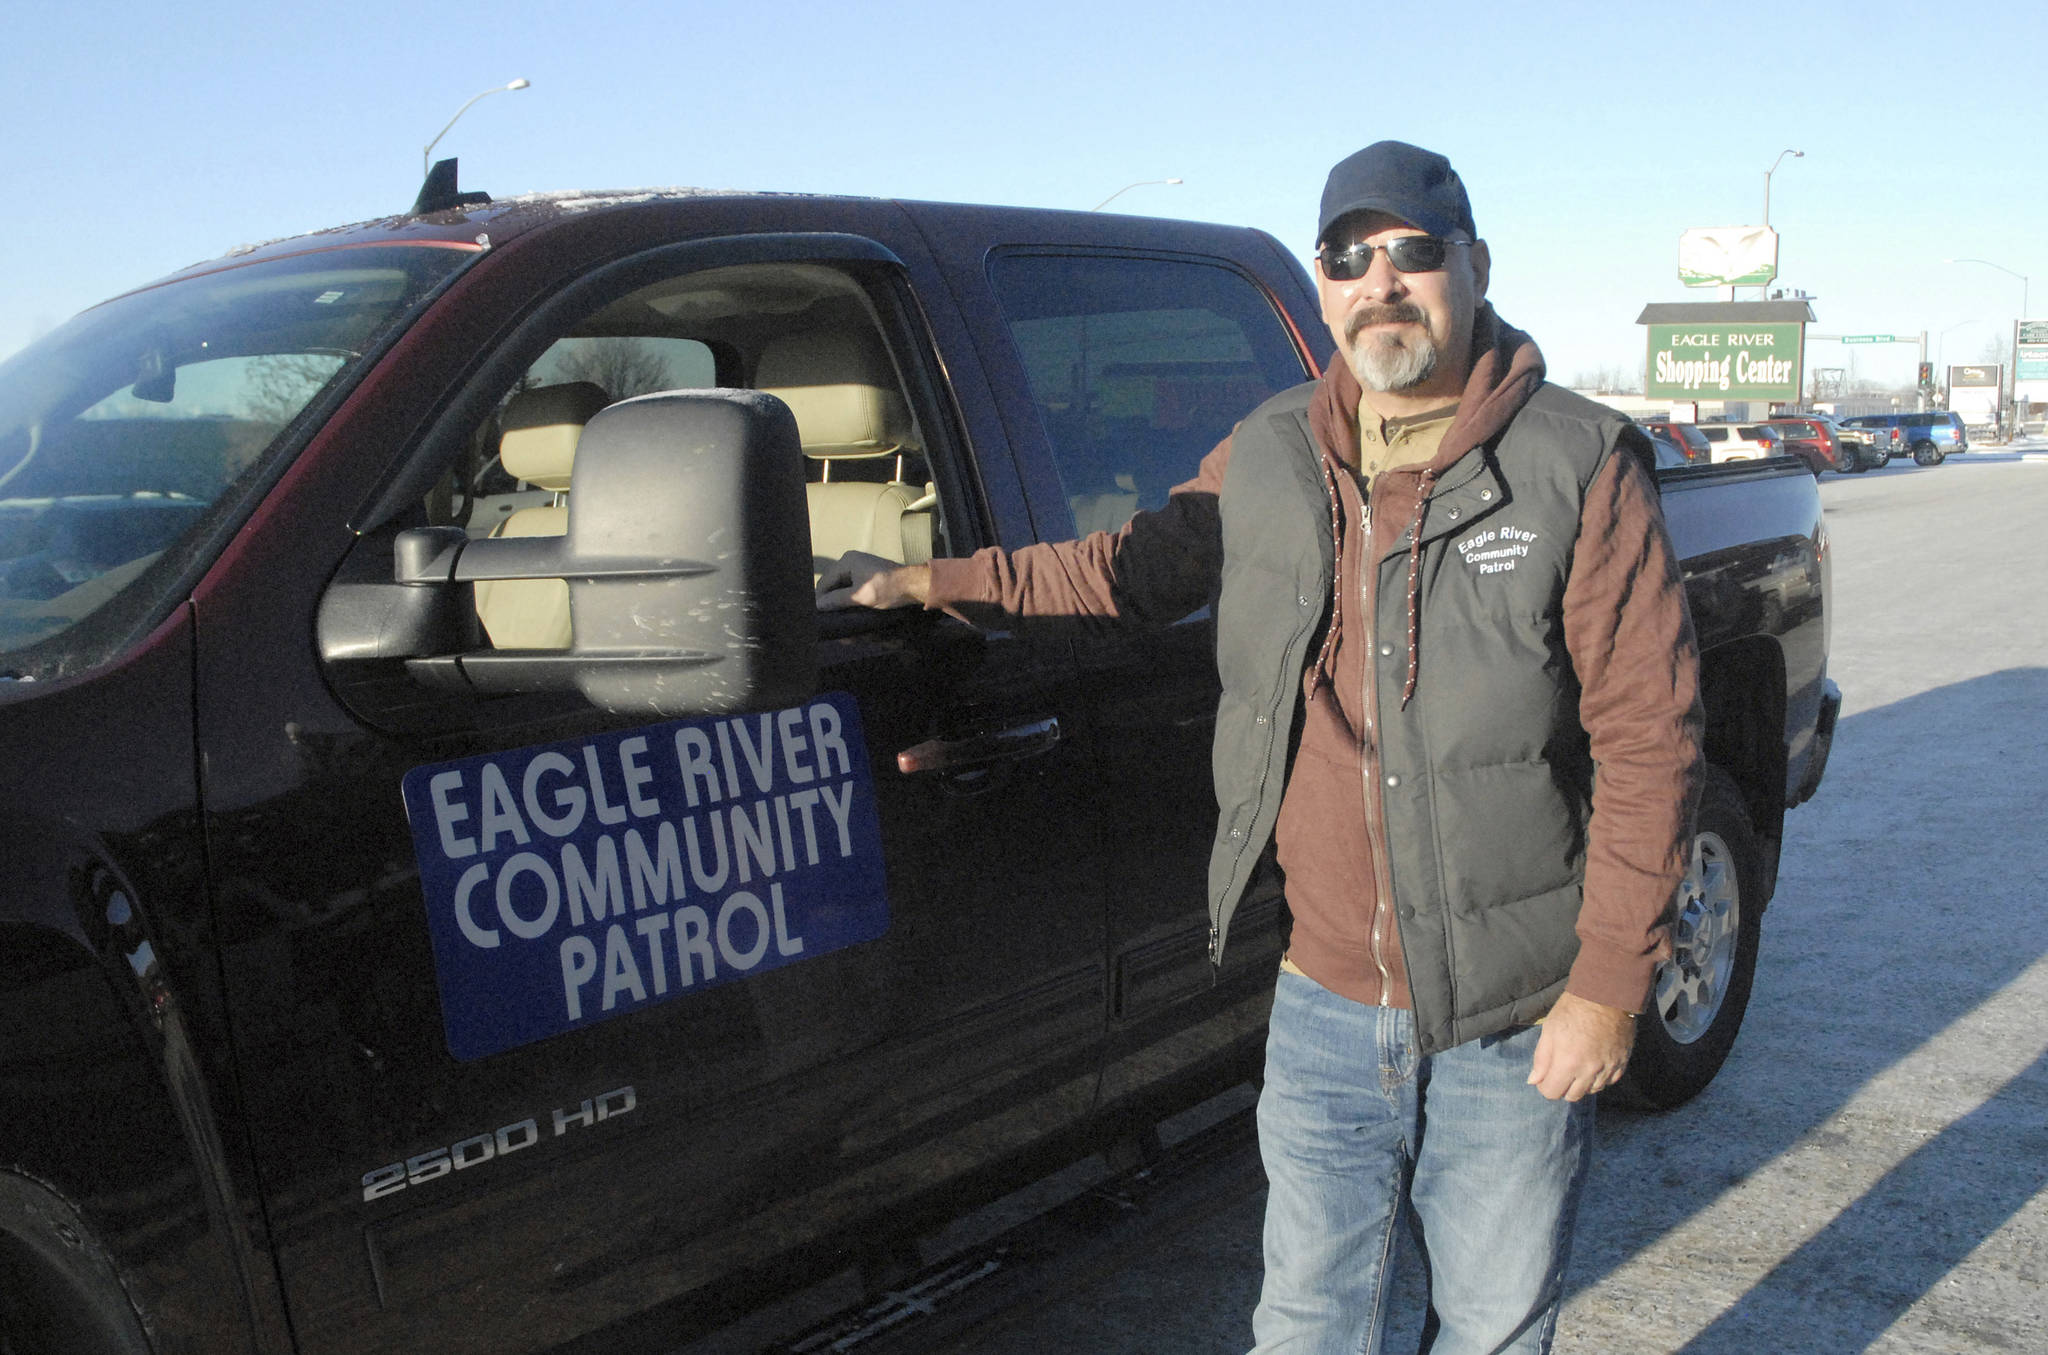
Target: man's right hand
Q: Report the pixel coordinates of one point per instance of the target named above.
(858, 579)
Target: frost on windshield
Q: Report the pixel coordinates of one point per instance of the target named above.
(126, 433)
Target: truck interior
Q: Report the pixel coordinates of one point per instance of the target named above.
(808, 334)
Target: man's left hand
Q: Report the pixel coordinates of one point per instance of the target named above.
(1583, 1048)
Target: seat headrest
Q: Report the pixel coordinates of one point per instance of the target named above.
(843, 392)
(540, 428)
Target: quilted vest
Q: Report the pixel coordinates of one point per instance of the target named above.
(1485, 775)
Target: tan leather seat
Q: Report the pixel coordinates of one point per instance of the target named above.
(541, 429)
(843, 391)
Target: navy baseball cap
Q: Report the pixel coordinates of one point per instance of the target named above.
(1416, 185)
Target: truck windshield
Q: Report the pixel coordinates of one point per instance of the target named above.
(128, 434)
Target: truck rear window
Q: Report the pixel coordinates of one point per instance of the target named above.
(126, 434)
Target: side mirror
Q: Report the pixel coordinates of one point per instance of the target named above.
(687, 557)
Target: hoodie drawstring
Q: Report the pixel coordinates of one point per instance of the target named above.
(1415, 582)
(1321, 673)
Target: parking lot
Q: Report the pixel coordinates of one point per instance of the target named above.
(1870, 1171)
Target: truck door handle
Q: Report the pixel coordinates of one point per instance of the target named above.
(980, 750)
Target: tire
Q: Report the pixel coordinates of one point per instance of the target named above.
(1856, 464)
(1699, 995)
(1926, 454)
(59, 1294)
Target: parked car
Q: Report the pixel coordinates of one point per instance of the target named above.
(440, 918)
(1928, 436)
(1670, 455)
(1743, 441)
(1687, 437)
(1824, 445)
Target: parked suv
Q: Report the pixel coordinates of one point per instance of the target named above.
(1688, 438)
(1823, 445)
(1930, 437)
(1742, 441)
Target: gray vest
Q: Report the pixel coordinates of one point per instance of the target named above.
(1485, 776)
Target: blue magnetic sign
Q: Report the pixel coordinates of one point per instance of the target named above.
(572, 882)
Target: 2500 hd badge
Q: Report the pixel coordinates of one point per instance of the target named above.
(577, 881)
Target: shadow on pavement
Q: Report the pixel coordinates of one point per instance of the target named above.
(1909, 896)
(1848, 1284)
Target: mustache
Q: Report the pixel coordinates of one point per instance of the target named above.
(1383, 313)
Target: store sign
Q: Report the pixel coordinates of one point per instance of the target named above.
(1974, 376)
(1728, 256)
(1723, 360)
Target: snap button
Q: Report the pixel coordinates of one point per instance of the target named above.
(1386, 651)
(1262, 719)
(1393, 781)
(1454, 515)
(1302, 600)
(1486, 496)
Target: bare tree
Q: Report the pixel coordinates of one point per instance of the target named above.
(279, 385)
(623, 367)
(1609, 380)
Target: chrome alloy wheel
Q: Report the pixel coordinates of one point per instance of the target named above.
(1704, 938)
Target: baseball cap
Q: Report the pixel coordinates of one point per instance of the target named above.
(1416, 185)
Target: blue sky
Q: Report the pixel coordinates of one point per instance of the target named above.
(149, 137)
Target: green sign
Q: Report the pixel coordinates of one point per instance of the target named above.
(1868, 338)
(2034, 331)
(1725, 360)
(2033, 363)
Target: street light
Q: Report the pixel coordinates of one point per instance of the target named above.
(1796, 155)
(428, 150)
(1941, 347)
(2014, 389)
(2008, 272)
(1142, 183)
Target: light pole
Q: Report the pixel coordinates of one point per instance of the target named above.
(2009, 273)
(1796, 155)
(1142, 183)
(2015, 387)
(1941, 348)
(428, 149)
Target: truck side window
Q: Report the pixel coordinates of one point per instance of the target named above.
(1138, 367)
(816, 336)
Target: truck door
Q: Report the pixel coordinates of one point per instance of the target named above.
(663, 1144)
(1129, 367)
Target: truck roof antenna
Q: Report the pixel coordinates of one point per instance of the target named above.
(438, 192)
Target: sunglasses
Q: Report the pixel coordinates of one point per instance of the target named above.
(1408, 254)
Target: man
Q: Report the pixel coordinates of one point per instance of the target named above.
(1451, 629)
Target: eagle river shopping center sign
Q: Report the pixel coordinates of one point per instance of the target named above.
(1724, 360)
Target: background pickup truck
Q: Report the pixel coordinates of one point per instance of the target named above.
(389, 962)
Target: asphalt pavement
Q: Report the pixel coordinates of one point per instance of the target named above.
(1870, 1170)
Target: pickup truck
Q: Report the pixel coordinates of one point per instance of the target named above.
(463, 896)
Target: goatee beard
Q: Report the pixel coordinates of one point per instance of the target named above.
(1391, 362)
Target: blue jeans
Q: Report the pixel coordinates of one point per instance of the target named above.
(1358, 1131)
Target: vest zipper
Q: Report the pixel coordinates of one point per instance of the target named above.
(1375, 807)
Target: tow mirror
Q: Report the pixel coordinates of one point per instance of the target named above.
(687, 557)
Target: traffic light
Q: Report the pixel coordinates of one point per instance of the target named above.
(1927, 376)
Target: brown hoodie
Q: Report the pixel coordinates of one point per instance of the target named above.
(1164, 564)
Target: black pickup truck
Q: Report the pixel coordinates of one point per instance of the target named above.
(387, 963)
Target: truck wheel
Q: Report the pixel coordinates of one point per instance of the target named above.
(1881, 459)
(59, 1294)
(1699, 995)
(1856, 464)
(1926, 454)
